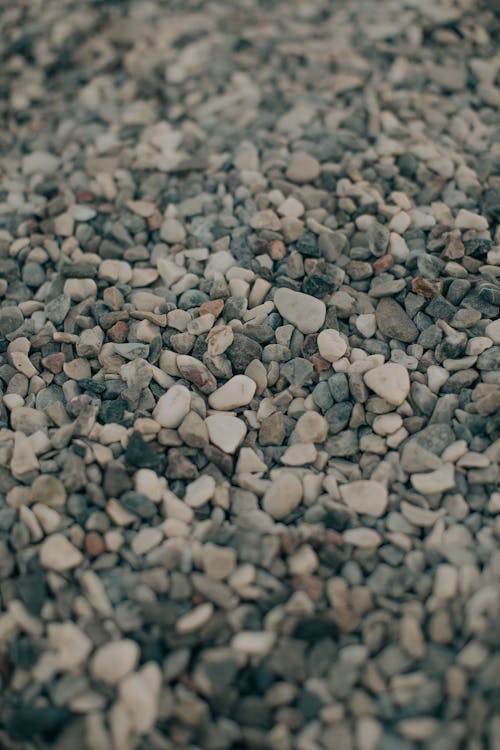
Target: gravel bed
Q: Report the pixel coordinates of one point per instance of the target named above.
(250, 375)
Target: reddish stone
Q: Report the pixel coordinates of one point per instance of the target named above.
(213, 306)
(427, 288)
(118, 332)
(155, 220)
(310, 345)
(277, 249)
(54, 362)
(383, 264)
(346, 619)
(319, 364)
(84, 196)
(94, 544)
(310, 585)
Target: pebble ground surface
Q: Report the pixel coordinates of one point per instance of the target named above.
(250, 375)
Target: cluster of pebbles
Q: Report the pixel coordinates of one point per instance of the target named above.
(250, 375)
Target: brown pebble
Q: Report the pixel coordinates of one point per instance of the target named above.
(54, 362)
(84, 196)
(155, 220)
(319, 364)
(272, 429)
(277, 249)
(119, 332)
(213, 306)
(383, 264)
(94, 544)
(427, 288)
(310, 585)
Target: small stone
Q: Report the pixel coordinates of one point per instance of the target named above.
(299, 454)
(172, 231)
(272, 430)
(362, 538)
(112, 661)
(283, 496)
(394, 322)
(302, 167)
(365, 496)
(70, 643)
(57, 553)
(218, 562)
(193, 430)
(311, 428)
(196, 372)
(173, 406)
(200, 491)
(253, 642)
(390, 381)
(10, 319)
(440, 480)
(237, 392)
(80, 289)
(303, 311)
(469, 220)
(492, 331)
(40, 162)
(332, 345)
(226, 432)
(196, 619)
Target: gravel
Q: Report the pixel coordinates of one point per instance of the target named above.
(249, 375)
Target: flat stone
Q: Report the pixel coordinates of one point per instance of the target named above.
(173, 406)
(226, 432)
(302, 167)
(50, 491)
(283, 496)
(112, 661)
(362, 538)
(196, 619)
(394, 322)
(305, 312)
(253, 642)
(237, 392)
(299, 454)
(365, 496)
(440, 480)
(57, 553)
(390, 381)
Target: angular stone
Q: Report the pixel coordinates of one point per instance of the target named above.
(390, 381)
(365, 496)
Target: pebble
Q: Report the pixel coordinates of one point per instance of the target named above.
(114, 660)
(332, 346)
(305, 312)
(390, 381)
(226, 432)
(196, 619)
(440, 480)
(303, 167)
(200, 491)
(57, 553)
(237, 392)
(365, 496)
(249, 376)
(173, 406)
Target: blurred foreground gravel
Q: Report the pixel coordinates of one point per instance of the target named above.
(249, 375)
